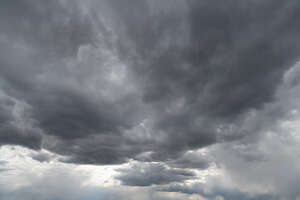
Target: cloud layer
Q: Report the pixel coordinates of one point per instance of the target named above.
(154, 83)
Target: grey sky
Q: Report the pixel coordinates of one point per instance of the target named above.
(170, 89)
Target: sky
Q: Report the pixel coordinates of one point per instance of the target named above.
(149, 100)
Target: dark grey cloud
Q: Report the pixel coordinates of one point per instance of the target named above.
(108, 81)
(103, 149)
(191, 160)
(42, 156)
(56, 26)
(58, 100)
(229, 60)
(12, 128)
(148, 174)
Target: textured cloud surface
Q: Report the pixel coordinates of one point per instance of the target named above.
(178, 92)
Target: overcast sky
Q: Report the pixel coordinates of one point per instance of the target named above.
(149, 100)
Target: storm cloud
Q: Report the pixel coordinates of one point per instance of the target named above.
(107, 82)
(152, 173)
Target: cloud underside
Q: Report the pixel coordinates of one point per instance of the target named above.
(105, 82)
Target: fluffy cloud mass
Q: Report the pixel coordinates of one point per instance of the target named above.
(187, 99)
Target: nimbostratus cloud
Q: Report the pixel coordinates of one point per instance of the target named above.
(107, 82)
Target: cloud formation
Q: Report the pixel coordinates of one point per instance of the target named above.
(152, 173)
(185, 76)
(152, 83)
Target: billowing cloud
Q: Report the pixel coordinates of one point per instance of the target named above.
(177, 87)
(152, 174)
(177, 75)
